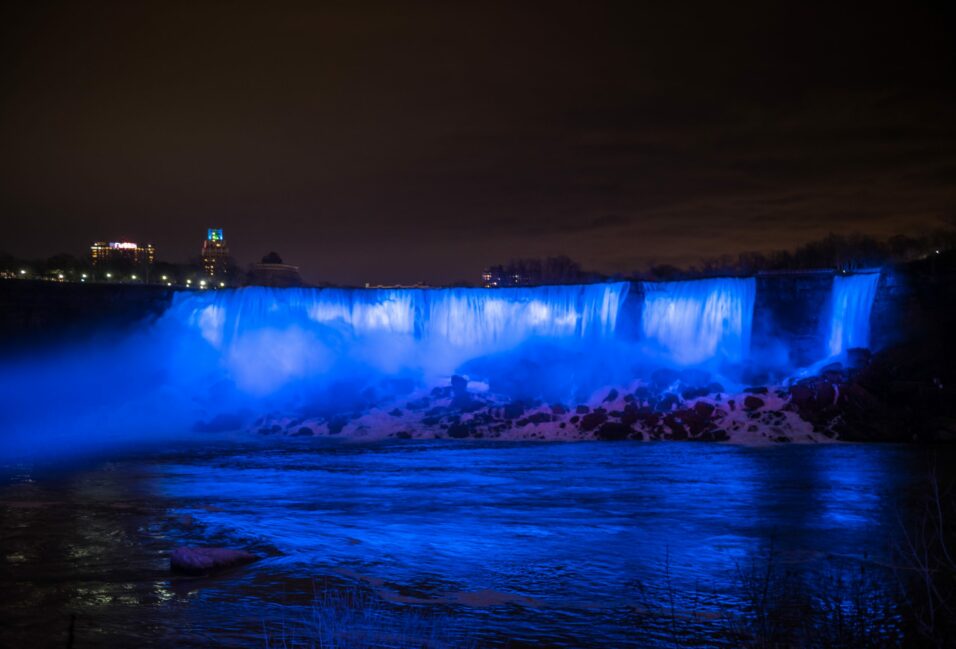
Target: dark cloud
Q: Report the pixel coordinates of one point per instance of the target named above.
(382, 142)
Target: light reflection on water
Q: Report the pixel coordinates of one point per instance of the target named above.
(568, 532)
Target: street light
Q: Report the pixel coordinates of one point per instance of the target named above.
(23, 272)
(133, 277)
(109, 275)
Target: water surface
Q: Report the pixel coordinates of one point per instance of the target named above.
(507, 544)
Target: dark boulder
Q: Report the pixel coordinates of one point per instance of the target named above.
(703, 409)
(753, 403)
(858, 357)
(459, 385)
(459, 431)
(611, 396)
(336, 424)
(667, 402)
(582, 410)
(540, 418)
(592, 420)
(305, 431)
(443, 392)
(694, 393)
(204, 561)
(613, 431)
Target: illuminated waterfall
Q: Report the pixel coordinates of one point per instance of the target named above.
(698, 321)
(266, 336)
(851, 304)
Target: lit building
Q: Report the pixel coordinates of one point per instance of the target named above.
(215, 253)
(102, 252)
(500, 276)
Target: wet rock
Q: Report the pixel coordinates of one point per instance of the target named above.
(753, 403)
(305, 431)
(613, 431)
(459, 385)
(575, 419)
(611, 396)
(857, 358)
(559, 409)
(204, 561)
(459, 431)
(667, 402)
(592, 420)
(643, 393)
(442, 392)
(678, 431)
(630, 415)
(703, 409)
(336, 424)
(403, 434)
(694, 393)
(582, 410)
(540, 418)
(801, 395)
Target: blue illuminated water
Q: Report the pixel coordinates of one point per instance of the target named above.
(850, 309)
(567, 545)
(698, 321)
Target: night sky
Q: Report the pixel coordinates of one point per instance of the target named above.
(399, 141)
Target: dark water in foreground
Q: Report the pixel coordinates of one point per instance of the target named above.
(504, 545)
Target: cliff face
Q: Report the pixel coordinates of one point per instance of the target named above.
(33, 311)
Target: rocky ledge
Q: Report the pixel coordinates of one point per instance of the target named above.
(866, 399)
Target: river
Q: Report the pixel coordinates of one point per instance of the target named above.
(471, 544)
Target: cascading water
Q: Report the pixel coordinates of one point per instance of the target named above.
(699, 321)
(268, 336)
(851, 304)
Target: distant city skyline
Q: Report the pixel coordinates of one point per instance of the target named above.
(437, 138)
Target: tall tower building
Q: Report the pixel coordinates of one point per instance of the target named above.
(215, 253)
